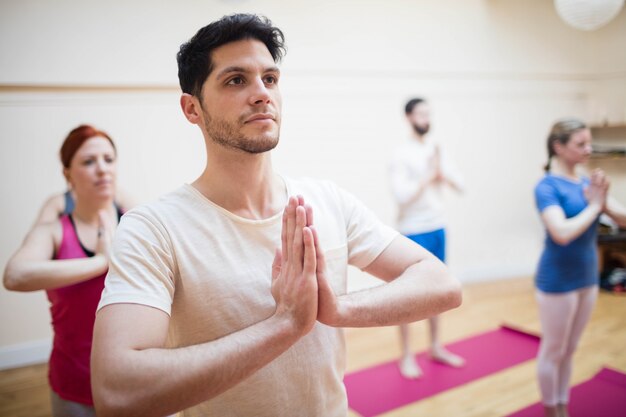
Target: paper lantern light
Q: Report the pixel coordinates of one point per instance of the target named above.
(588, 14)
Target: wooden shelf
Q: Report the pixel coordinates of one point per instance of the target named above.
(600, 127)
(597, 157)
(605, 151)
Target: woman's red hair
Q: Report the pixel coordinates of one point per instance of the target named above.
(75, 140)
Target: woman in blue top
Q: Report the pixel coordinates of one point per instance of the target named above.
(567, 275)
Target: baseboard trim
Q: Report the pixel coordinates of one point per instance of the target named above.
(23, 354)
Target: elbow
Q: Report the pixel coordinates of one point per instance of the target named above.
(450, 290)
(560, 239)
(8, 282)
(448, 294)
(452, 294)
(110, 402)
(11, 280)
(104, 409)
(109, 410)
(108, 399)
(114, 397)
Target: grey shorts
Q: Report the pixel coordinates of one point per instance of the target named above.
(65, 408)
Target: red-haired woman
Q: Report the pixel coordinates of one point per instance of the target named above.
(68, 258)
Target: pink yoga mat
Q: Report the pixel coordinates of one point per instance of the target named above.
(604, 395)
(381, 388)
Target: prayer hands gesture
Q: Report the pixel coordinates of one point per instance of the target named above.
(299, 282)
(105, 234)
(436, 173)
(597, 192)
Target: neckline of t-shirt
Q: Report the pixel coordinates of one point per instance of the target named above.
(580, 180)
(427, 142)
(233, 216)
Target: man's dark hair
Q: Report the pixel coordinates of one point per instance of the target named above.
(408, 109)
(194, 56)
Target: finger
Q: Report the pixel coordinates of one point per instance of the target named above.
(276, 264)
(300, 200)
(594, 176)
(102, 223)
(309, 265)
(600, 176)
(309, 214)
(323, 285)
(298, 248)
(321, 259)
(291, 226)
(283, 237)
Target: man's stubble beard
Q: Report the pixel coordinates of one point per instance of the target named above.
(226, 134)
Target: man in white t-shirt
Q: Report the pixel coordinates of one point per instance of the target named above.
(227, 296)
(419, 172)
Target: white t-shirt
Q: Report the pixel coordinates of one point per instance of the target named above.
(210, 270)
(408, 169)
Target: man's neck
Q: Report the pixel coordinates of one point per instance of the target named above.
(242, 183)
(419, 138)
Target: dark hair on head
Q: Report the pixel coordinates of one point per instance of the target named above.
(561, 132)
(194, 56)
(410, 105)
(75, 140)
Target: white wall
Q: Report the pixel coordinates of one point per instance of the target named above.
(497, 73)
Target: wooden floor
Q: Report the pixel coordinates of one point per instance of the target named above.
(24, 391)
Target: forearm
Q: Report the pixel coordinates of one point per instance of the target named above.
(454, 183)
(569, 229)
(159, 382)
(28, 275)
(616, 212)
(425, 289)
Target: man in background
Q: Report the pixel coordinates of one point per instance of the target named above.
(420, 171)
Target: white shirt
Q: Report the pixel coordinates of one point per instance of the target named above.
(210, 270)
(409, 167)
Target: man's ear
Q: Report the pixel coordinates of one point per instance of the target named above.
(191, 108)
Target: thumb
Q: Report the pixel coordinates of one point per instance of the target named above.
(276, 264)
(102, 223)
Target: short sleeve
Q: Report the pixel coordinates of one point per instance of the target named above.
(546, 195)
(367, 236)
(141, 266)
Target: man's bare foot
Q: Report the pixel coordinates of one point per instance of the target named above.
(551, 411)
(562, 410)
(409, 368)
(447, 358)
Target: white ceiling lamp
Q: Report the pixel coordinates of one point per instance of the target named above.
(588, 14)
